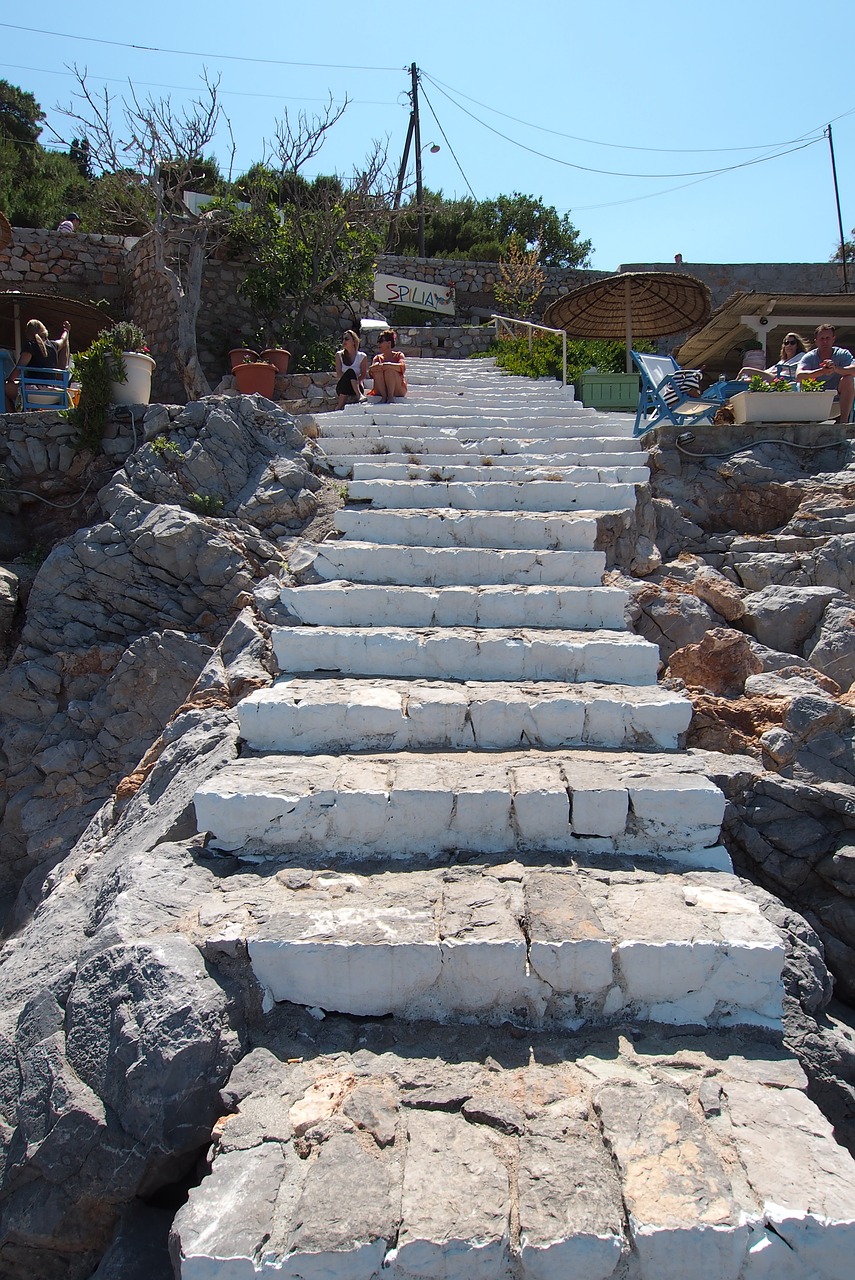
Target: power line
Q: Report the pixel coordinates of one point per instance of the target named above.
(447, 143)
(184, 88)
(621, 146)
(610, 173)
(194, 53)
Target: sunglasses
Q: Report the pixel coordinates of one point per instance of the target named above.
(791, 342)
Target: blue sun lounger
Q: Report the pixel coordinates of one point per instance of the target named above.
(663, 397)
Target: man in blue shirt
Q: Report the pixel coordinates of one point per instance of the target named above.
(832, 366)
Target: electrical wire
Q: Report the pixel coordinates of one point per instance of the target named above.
(808, 448)
(621, 146)
(185, 88)
(193, 53)
(611, 173)
(447, 143)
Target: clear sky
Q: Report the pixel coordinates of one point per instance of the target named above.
(665, 92)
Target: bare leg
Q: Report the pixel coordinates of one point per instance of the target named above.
(394, 383)
(846, 395)
(379, 374)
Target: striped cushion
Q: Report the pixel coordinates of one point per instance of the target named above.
(686, 382)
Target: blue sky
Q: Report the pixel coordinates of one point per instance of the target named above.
(667, 91)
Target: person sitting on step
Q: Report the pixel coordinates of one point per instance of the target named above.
(38, 352)
(351, 366)
(388, 368)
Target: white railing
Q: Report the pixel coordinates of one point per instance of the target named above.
(503, 324)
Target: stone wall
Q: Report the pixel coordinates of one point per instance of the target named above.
(87, 267)
(724, 278)
(444, 341)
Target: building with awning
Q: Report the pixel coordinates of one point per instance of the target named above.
(717, 347)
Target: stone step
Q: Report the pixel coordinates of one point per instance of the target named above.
(541, 946)
(344, 463)
(382, 444)
(334, 714)
(352, 604)
(445, 527)
(381, 469)
(452, 566)
(468, 653)
(465, 1155)
(448, 415)
(533, 495)
(475, 429)
(411, 804)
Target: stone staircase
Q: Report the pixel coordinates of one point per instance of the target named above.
(463, 804)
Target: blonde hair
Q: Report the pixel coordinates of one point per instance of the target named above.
(791, 333)
(37, 333)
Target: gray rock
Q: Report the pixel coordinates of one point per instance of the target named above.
(831, 648)
(784, 617)
(139, 1249)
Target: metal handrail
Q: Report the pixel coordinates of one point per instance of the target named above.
(528, 324)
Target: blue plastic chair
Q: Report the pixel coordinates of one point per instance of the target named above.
(45, 389)
(658, 374)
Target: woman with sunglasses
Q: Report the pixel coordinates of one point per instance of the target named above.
(792, 349)
(388, 368)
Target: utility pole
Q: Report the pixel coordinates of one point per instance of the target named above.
(839, 218)
(417, 139)
(413, 135)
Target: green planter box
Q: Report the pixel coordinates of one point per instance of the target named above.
(609, 390)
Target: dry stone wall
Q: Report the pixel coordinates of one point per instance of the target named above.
(87, 267)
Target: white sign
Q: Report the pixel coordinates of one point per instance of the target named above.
(396, 291)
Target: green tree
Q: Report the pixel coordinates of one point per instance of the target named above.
(483, 229)
(37, 186)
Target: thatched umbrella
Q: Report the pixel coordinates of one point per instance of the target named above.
(650, 303)
(5, 232)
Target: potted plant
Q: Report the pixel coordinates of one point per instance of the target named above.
(782, 401)
(277, 356)
(255, 377)
(131, 383)
(238, 355)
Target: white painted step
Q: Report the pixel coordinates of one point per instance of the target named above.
(449, 566)
(475, 429)
(445, 527)
(334, 714)
(468, 653)
(381, 443)
(380, 469)
(408, 805)
(478, 459)
(539, 946)
(534, 495)
(349, 604)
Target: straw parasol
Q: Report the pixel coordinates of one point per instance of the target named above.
(16, 308)
(5, 232)
(650, 303)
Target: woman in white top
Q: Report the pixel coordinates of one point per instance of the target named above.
(351, 366)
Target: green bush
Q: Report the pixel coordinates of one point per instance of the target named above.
(544, 358)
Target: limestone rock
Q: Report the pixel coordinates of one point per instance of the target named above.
(719, 593)
(672, 619)
(831, 648)
(784, 617)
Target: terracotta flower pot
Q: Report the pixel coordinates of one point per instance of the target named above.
(278, 356)
(255, 379)
(238, 354)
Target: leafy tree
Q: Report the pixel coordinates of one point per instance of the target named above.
(36, 186)
(483, 230)
(309, 242)
(20, 117)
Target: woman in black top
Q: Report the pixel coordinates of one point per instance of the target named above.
(38, 352)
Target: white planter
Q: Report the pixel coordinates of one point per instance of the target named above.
(781, 406)
(136, 388)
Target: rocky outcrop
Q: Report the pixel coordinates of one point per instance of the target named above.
(123, 615)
